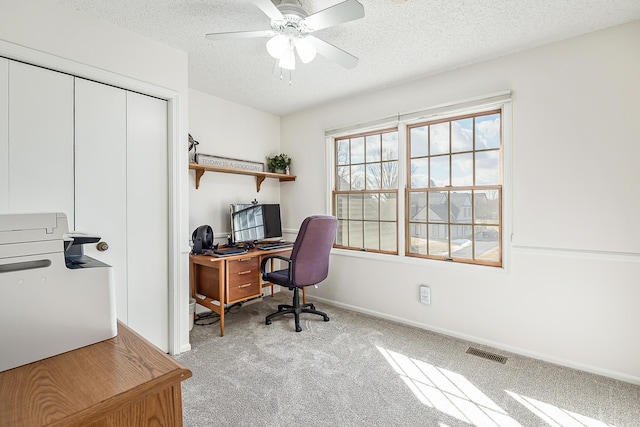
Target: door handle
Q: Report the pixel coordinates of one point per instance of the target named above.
(102, 246)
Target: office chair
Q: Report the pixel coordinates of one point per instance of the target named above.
(308, 265)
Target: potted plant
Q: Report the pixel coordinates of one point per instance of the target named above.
(279, 163)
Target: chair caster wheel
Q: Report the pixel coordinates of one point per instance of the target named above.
(326, 318)
(312, 307)
(298, 328)
(267, 322)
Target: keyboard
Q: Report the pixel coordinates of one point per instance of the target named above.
(230, 251)
(272, 246)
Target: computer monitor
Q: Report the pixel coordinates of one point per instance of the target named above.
(255, 222)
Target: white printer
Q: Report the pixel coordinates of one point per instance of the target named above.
(53, 298)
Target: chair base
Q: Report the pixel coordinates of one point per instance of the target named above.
(295, 309)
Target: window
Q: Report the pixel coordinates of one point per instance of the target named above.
(448, 161)
(454, 191)
(365, 194)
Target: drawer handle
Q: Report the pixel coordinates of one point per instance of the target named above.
(245, 272)
(245, 259)
(245, 285)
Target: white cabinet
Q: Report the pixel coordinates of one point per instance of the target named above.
(40, 140)
(148, 217)
(101, 179)
(122, 195)
(98, 154)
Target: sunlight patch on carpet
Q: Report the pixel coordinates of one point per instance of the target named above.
(448, 392)
(554, 416)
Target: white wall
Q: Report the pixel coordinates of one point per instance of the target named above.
(570, 290)
(44, 33)
(227, 129)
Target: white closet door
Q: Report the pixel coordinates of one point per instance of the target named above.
(147, 218)
(101, 180)
(40, 140)
(4, 135)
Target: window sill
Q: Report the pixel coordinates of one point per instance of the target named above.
(422, 262)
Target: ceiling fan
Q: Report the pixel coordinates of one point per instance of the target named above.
(291, 29)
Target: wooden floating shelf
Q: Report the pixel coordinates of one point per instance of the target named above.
(260, 176)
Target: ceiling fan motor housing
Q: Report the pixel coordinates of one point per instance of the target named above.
(292, 24)
(292, 7)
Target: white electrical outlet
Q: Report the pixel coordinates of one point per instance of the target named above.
(425, 294)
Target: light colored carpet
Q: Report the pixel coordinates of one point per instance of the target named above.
(357, 370)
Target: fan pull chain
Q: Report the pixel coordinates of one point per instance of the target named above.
(290, 76)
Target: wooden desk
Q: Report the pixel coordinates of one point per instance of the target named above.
(227, 280)
(123, 381)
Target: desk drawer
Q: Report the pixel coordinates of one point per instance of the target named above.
(244, 279)
(241, 265)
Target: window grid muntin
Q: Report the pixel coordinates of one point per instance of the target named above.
(444, 229)
(346, 222)
(344, 161)
(429, 226)
(370, 187)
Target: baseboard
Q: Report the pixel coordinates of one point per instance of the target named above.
(497, 345)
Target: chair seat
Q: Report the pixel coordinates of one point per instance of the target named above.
(279, 277)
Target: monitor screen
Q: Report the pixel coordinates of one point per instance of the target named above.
(256, 222)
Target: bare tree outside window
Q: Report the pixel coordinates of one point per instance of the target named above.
(365, 197)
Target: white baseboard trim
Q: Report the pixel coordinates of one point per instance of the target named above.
(500, 346)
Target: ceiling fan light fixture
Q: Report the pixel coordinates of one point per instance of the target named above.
(288, 59)
(277, 45)
(305, 50)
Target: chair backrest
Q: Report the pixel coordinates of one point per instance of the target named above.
(311, 250)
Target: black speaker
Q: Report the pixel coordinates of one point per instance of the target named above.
(202, 239)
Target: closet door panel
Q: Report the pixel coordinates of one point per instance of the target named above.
(4, 135)
(40, 140)
(147, 218)
(101, 179)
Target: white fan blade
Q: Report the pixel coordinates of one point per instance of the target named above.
(240, 35)
(269, 9)
(333, 53)
(342, 12)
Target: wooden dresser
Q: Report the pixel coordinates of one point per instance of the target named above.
(124, 381)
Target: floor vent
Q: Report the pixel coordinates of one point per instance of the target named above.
(487, 355)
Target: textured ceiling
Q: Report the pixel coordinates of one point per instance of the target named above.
(396, 41)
